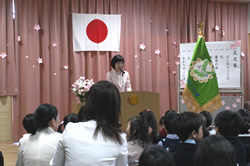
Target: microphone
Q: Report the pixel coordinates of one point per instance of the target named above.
(123, 72)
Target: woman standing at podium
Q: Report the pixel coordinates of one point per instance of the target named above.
(118, 76)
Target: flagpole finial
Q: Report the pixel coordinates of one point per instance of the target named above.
(200, 26)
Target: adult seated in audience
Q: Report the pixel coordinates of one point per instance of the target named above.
(38, 147)
(138, 139)
(162, 131)
(156, 156)
(72, 117)
(209, 120)
(1, 159)
(149, 117)
(171, 138)
(82, 114)
(188, 127)
(228, 124)
(215, 151)
(99, 140)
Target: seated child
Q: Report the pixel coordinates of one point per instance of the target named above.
(138, 139)
(228, 124)
(209, 120)
(156, 156)
(72, 117)
(171, 138)
(188, 127)
(215, 151)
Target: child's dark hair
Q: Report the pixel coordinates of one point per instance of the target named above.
(186, 123)
(169, 118)
(41, 118)
(208, 117)
(149, 117)
(72, 117)
(228, 123)
(139, 131)
(156, 156)
(215, 151)
(245, 114)
(115, 59)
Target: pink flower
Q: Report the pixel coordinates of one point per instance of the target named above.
(65, 67)
(18, 38)
(54, 44)
(238, 100)
(223, 102)
(227, 107)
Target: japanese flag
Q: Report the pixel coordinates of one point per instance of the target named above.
(96, 32)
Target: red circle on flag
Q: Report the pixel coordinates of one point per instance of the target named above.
(97, 31)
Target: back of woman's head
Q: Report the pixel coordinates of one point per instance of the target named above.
(149, 117)
(139, 131)
(41, 118)
(156, 156)
(72, 117)
(215, 150)
(103, 105)
(44, 114)
(29, 123)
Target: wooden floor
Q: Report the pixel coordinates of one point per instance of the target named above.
(9, 153)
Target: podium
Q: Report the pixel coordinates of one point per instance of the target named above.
(76, 107)
(136, 101)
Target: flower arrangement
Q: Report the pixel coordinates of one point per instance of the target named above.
(81, 87)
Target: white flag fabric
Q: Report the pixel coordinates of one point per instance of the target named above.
(96, 32)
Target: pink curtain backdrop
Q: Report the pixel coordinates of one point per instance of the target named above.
(159, 24)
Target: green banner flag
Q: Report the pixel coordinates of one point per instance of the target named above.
(201, 91)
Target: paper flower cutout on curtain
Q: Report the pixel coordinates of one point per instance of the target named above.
(216, 28)
(242, 54)
(26, 57)
(33, 66)
(223, 33)
(182, 101)
(223, 102)
(174, 43)
(135, 56)
(157, 52)
(150, 60)
(174, 72)
(54, 44)
(150, 21)
(18, 38)
(54, 74)
(227, 108)
(40, 60)
(37, 27)
(238, 100)
(182, 84)
(177, 63)
(138, 67)
(65, 67)
(234, 105)
(166, 30)
(142, 46)
(3, 55)
(178, 55)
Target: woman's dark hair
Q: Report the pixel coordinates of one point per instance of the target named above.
(41, 118)
(27, 120)
(149, 117)
(139, 131)
(156, 156)
(215, 150)
(204, 128)
(186, 123)
(82, 114)
(103, 104)
(115, 59)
